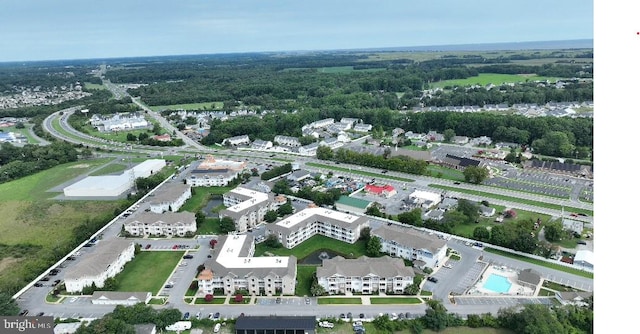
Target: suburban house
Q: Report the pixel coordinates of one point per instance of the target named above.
(435, 214)
(362, 127)
(214, 173)
(170, 197)
(309, 150)
(323, 123)
(293, 230)
(246, 207)
(261, 145)
(448, 203)
(276, 324)
(107, 260)
(299, 175)
(349, 121)
(460, 140)
(145, 329)
(386, 190)
(578, 298)
(164, 138)
(237, 140)
(120, 298)
(167, 224)
(574, 226)
(232, 267)
(411, 244)
(364, 275)
(486, 211)
(286, 141)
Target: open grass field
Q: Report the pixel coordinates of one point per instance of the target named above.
(110, 169)
(201, 196)
(89, 85)
(28, 216)
(445, 173)
(484, 79)
(335, 301)
(190, 106)
(147, 271)
(317, 242)
(24, 131)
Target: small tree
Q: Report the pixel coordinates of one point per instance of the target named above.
(238, 298)
(270, 216)
(511, 213)
(208, 298)
(212, 243)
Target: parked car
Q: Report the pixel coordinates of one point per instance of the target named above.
(38, 285)
(40, 314)
(188, 256)
(147, 246)
(186, 316)
(582, 242)
(216, 328)
(432, 279)
(216, 316)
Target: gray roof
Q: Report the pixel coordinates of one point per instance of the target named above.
(410, 237)
(385, 266)
(573, 295)
(104, 254)
(529, 276)
(169, 193)
(115, 295)
(448, 203)
(144, 328)
(220, 270)
(167, 217)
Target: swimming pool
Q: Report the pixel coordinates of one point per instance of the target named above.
(497, 283)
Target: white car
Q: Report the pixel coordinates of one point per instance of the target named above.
(216, 328)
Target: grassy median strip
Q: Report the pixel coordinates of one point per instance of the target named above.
(395, 300)
(360, 172)
(515, 199)
(330, 300)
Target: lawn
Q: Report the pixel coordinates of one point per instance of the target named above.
(110, 169)
(200, 196)
(445, 173)
(24, 131)
(360, 172)
(214, 301)
(148, 271)
(210, 226)
(89, 85)
(466, 230)
(395, 300)
(484, 79)
(304, 279)
(332, 300)
(317, 242)
(190, 106)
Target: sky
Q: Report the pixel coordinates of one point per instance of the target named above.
(80, 29)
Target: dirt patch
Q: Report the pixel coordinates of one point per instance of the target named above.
(80, 166)
(7, 262)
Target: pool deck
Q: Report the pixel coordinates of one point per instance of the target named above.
(512, 275)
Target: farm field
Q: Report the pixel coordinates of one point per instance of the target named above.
(484, 79)
(189, 106)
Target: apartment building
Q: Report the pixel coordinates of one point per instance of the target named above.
(426, 250)
(215, 172)
(167, 224)
(170, 197)
(301, 226)
(246, 207)
(286, 141)
(232, 267)
(364, 275)
(107, 260)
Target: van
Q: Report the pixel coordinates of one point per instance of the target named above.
(216, 328)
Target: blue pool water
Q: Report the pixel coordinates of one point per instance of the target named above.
(497, 283)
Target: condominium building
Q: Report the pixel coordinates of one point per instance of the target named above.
(246, 207)
(287, 141)
(232, 267)
(107, 260)
(170, 197)
(166, 224)
(237, 140)
(427, 250)
(301, 226)
(215, 173)
(364, 275)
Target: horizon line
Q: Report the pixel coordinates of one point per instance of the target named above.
(416, 48)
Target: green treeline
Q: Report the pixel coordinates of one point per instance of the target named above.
(548, 135)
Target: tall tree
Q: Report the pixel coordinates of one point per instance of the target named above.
(374, 246)
(8, 306)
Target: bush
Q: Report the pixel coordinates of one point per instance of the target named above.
(208, 298)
